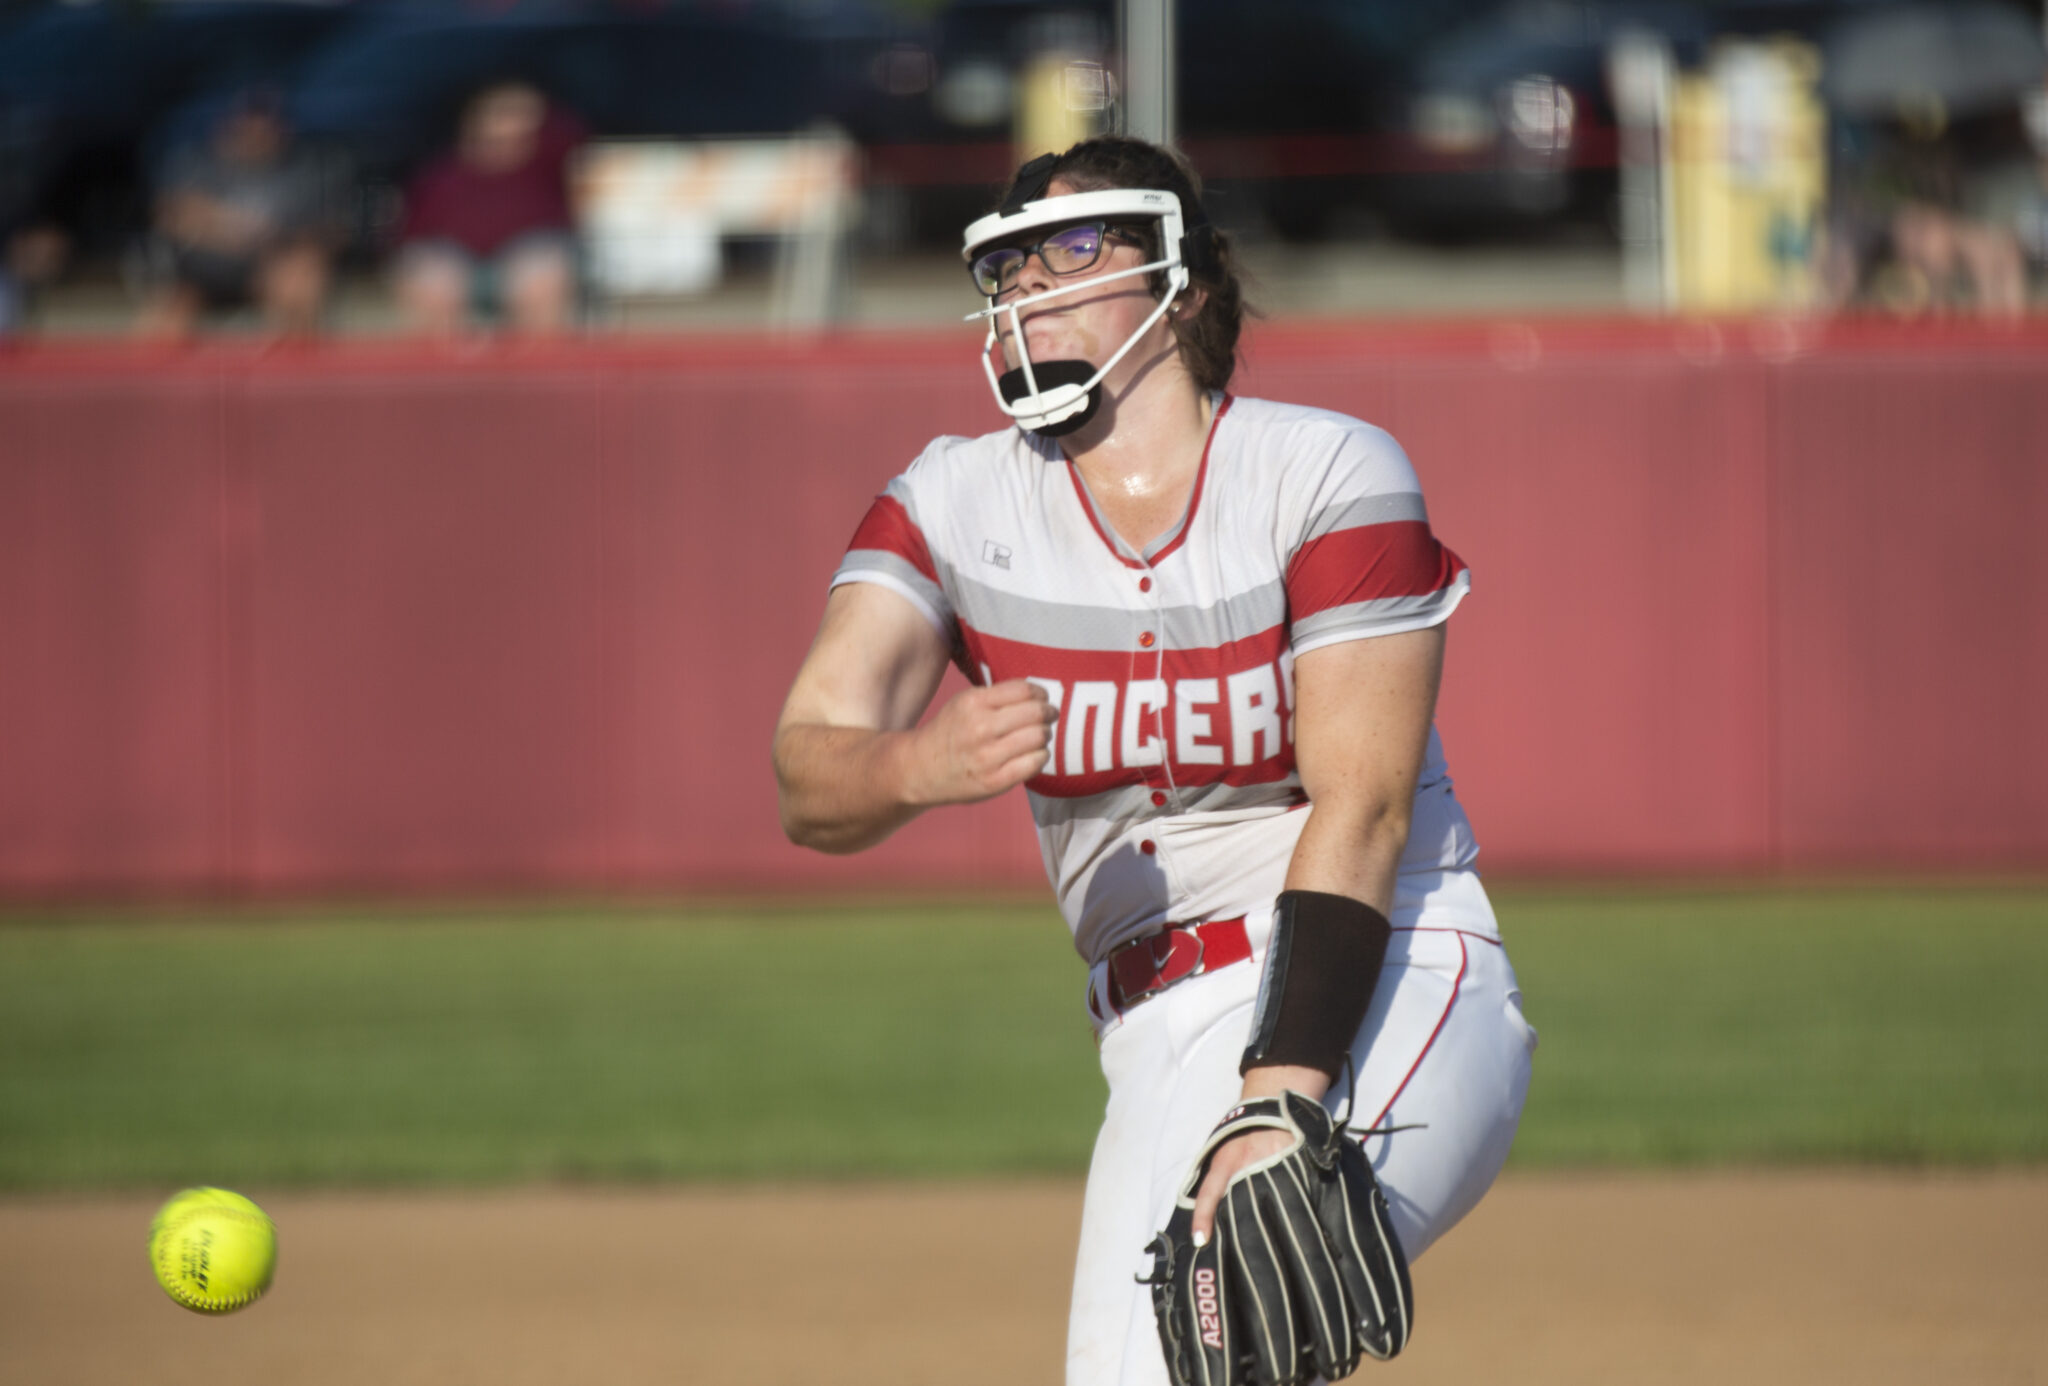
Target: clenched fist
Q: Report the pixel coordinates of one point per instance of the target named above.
(982, 742)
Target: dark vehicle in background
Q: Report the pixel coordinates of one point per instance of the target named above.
(937, 120)
(1281, 103)
(1510, 120)
(391, 85)
(85, 89)
(1286, 106)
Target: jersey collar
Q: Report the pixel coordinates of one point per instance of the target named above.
(1160, 548)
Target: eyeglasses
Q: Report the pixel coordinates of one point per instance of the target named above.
(1068, 250)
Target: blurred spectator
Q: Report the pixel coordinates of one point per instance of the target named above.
(1922, 222)
(488, 229)
(1933, 170)
(2026, 203)
(31, 258)
(248, 217)
(34, 246)
(1943, 252)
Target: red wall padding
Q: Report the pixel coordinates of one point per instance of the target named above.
(373, 619)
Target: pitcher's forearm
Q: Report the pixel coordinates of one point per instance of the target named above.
(844, 789)
(1351, 848)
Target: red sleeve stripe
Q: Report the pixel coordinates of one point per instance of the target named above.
(1369, 563)
(888, 527)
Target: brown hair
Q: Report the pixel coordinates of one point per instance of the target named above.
(1208, 340)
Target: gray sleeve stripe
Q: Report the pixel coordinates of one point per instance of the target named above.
(899, 568)
(1366, 510)
(917, 590)
(1383, 616)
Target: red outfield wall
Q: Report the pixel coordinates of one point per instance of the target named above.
(362, 619)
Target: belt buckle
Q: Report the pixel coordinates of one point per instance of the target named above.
(1172, 934)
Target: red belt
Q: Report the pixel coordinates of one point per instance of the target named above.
(1146, 966)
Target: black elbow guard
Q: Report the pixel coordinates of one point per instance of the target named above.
(1322, 964)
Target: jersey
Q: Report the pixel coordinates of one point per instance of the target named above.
(1171, 794)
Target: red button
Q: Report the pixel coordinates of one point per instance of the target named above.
(1144, 584)
(1148, 847)
(1146, 640)
(1158, 799)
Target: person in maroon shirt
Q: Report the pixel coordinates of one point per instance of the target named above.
(488, 226)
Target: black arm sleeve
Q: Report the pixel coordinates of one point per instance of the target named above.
(1322, 964)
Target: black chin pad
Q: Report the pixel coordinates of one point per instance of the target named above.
(1048, 374)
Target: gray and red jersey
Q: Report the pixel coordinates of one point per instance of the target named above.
(1171, 789)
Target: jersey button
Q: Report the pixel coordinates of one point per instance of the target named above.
(1144, 584)
(1145, 640)
(1158, 799)
(1148, 846)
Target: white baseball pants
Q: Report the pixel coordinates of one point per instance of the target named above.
(1444, 1049)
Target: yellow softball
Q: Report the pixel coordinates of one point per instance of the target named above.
(213, 1251)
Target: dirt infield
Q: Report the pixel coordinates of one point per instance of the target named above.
(1709, 1279)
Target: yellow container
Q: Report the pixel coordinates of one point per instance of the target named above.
(1747, 174)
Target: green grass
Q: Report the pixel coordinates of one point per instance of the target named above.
(606, 1046)
(1901, 1026)
(1785, 1026)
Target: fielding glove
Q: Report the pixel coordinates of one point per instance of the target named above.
(1303, 1273)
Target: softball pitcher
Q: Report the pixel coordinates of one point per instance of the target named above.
(1205, 633)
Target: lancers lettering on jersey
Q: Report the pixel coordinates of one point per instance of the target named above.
(1180, 717)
